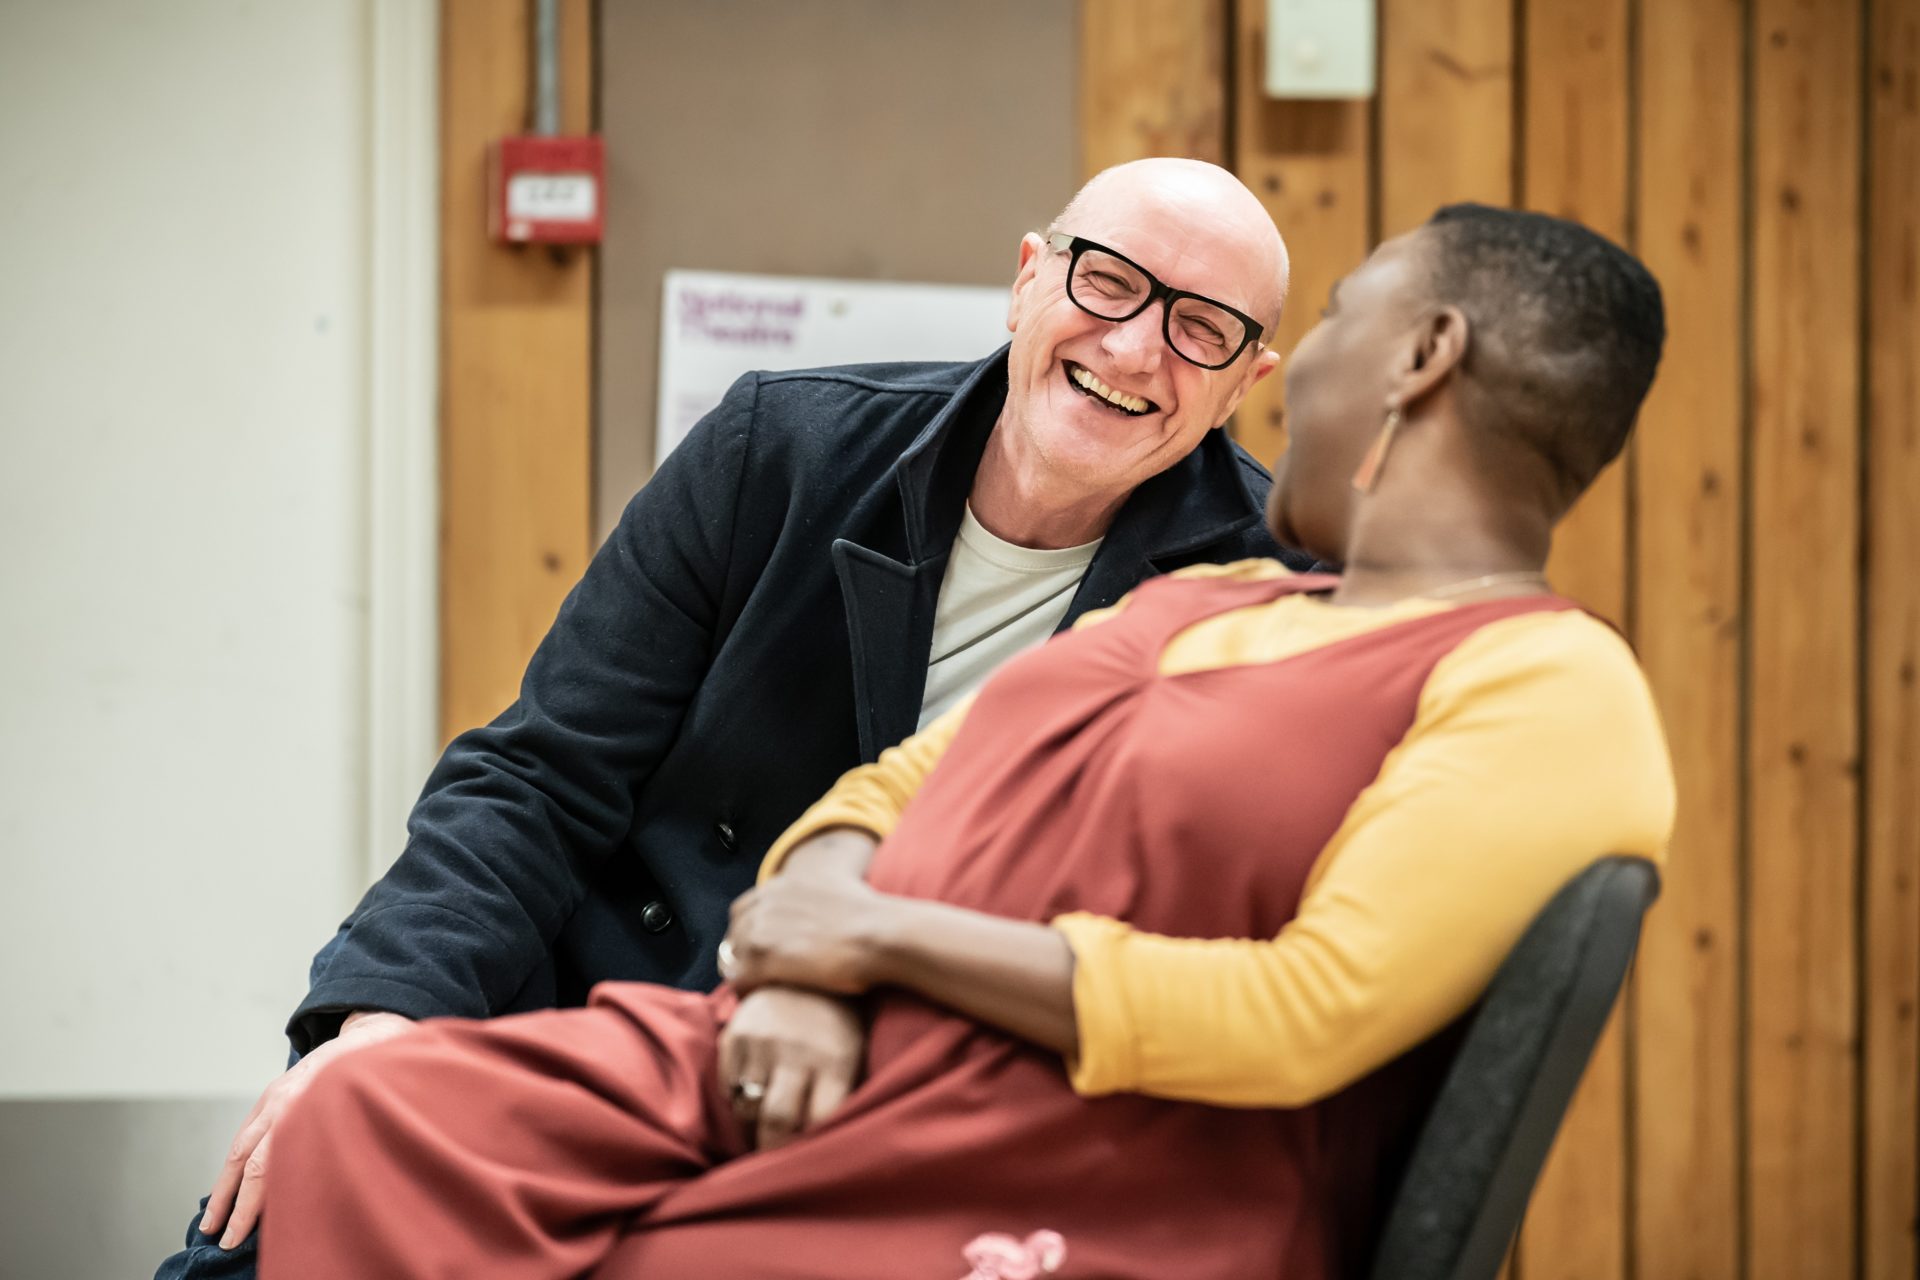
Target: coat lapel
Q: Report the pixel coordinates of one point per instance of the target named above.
(890, 625)
(891, 598)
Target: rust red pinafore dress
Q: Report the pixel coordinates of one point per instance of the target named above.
(1082, 780)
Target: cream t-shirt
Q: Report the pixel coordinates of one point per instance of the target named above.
(996, 599)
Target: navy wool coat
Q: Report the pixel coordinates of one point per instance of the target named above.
(757, 624)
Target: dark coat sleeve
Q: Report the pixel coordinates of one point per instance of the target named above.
(516, 814)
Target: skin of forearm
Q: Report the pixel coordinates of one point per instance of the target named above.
(837, 851)
(1011, 974)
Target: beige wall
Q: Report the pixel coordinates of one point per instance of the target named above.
(865, 139)
(184, 409)
(200, 382)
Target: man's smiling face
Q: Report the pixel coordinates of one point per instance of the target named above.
(1104, 406)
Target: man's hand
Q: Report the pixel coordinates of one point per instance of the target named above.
(236, 1195)
(788, 1059)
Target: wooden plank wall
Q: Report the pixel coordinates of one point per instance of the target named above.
(1803, 650)
(1891, 979)
(1689, 464)
(1573, 161)
(516, 372)
(1177, 46)
(1755, 1110)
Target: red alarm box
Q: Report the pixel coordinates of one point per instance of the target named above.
(544, 190)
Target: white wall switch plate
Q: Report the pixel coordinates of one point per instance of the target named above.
(1320, 48)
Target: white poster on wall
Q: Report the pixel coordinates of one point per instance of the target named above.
(715, 326)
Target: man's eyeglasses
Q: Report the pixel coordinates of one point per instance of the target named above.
(1114, 287)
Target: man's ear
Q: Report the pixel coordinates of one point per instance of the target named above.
(1032, 253)
(1262, 365)
(1434, 350)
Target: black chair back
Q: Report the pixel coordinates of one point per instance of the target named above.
(1480, 1148)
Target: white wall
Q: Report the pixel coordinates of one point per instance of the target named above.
(195, 412)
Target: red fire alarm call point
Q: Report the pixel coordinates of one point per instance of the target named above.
(544, 190)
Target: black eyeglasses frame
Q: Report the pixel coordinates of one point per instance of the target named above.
(1074, 246)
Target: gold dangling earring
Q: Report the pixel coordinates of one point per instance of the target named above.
(1375, 462)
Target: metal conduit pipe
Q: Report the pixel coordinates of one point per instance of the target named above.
(546, 68)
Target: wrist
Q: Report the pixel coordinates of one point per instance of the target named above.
(891, 946)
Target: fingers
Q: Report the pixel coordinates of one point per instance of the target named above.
(747, 1083)
(732, 1058)
(783, 1112)
(227, 1186)
(746, 964)
(246, 1206)
(234, 1201)
(786, 1061)
(830, 1088)
(741, 950)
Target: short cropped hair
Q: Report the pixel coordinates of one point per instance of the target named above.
(1566, 331)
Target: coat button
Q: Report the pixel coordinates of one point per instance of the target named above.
(727, 838)
(656, 917)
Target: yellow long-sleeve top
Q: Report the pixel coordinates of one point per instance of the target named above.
(1535, 750)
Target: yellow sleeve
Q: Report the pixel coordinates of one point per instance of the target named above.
(1536, 749)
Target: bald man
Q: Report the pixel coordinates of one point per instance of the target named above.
(830, 560)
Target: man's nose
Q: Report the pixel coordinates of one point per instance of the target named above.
(1136, 345)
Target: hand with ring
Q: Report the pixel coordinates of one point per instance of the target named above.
(788, 1058)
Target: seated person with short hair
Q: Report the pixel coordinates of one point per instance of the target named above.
(1157, 930)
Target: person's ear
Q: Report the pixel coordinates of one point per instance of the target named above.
(1265, 363)
(1032, 254)
(1257, 368)
(1433, 351)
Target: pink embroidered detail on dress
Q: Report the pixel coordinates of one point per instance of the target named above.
(998, 1256)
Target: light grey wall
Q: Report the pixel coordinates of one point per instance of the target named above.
(863, 139)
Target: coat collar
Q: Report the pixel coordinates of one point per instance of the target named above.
(1202, 499)
(1199, 500)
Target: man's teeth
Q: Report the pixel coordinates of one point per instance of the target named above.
(1132, 404)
